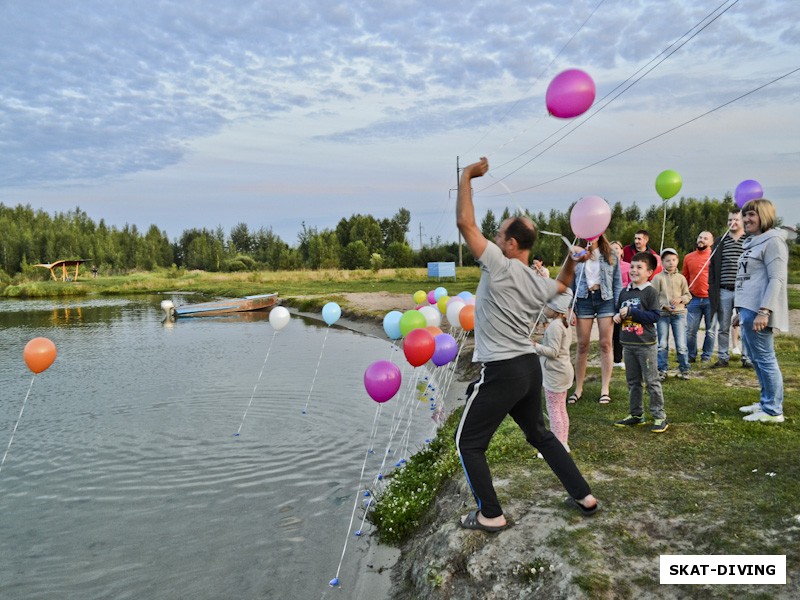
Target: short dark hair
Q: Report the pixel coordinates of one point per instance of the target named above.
(523, 231)
(647, 258)
(538, 257)
(643, 232)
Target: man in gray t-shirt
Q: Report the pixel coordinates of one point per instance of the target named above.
(508, 299)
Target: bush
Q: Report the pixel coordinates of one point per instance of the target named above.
(375, 262)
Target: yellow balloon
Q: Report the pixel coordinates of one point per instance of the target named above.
(441, 304)
(420, 297)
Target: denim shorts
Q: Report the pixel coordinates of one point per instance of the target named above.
(594, 306)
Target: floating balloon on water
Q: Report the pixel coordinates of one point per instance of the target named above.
(446, 349)
(411, 320)
(589, 218)
(279, 317)
(418, 346)
(570, 94)
(432, 315)
(382, 379)
(331, 312)
(391, 324)
(467, 317)
(420, 296)
(39, 354)
(453, 311)
(747, 190)
(668, 184)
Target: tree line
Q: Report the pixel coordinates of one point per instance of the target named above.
(30, 236)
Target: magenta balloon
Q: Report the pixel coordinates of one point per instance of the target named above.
(748, 190)
(446, 349)
(570, 94)
(432, 297)
(382, 380)
(590, 217)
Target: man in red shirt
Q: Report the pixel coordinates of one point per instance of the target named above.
(640, 240)
(695, 269)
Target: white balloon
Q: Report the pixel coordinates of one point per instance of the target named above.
(432, 315)
(279, 317)
(453, 311)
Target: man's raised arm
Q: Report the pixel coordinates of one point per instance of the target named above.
(465, 210)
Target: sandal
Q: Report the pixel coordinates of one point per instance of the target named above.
(573, 398)
(470, 521)
(585, 511)
(604, 399)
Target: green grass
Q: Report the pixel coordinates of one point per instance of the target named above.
(711, 484)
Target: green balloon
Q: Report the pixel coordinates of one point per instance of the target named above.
(668, 183)
(411, 319)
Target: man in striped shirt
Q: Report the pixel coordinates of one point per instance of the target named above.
(721, 283)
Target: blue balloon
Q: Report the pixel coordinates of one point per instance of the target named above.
(391, 324)
(331, 313)
(439, 292)
(465, 295)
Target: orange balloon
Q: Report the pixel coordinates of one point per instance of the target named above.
(467, 317)
(434, 330)
(39, 354)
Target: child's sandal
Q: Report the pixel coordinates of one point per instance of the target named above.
(604, 399)
(573, 399)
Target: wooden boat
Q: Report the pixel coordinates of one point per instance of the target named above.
(220, 307)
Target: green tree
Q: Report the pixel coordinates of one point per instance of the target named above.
(489, 225)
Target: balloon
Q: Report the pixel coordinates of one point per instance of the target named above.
(453, 311)
(39, 354)
(446, 349)
(442, 304)
(570, 94)
(467, 317)
(391, 324)
(411, 319)
(279, 317)
(434, 331)
(439, 292)
(331, 312)
(382, 380)
(420, 296)
(465, 296)
(470, 301)
(432, 297)
(748, 190)
(432, 315)
(590, 217)
(418, 347)
(668, 183)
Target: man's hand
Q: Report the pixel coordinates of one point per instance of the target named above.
(579, 254)
(476, 169)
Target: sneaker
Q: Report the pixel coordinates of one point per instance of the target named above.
(747, 364)
(763, 417)
(683, 375)
(662, 375)
(719, 364)
(693, 359)
(630, 420)
(705, 360)
(620, 365)
(751, 408)
(660, 425)
(736, 351)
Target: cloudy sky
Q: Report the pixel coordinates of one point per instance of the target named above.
(199, 113)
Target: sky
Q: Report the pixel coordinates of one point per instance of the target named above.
(191, 114)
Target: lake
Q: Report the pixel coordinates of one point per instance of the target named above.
(125, 478)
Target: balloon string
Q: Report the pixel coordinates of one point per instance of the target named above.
(255, 387)
(710, 256)
(319, 360)
(2, 462)
(663, 228)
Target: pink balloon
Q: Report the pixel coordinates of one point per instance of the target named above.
(431, 297)
(590, 217)
(382, 380)
(748, 190)
(570, 94)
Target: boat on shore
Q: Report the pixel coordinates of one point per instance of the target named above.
(220, 307)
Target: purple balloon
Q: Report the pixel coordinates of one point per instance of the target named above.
(382, 380)
(570, 94)
(446, 349)
(748, 190)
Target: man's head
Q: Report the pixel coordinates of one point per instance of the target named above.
(516, 236)
(735, 221)
(640, 240)
(705, 240)
(642, 266)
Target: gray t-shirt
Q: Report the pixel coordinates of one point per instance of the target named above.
(509, 297)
